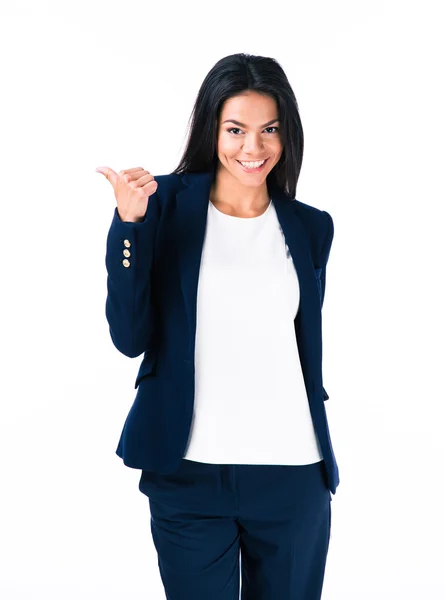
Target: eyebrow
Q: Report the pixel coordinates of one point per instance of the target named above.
(242, 124)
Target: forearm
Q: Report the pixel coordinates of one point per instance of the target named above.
(129, 257)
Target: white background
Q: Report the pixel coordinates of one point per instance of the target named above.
(87, 84)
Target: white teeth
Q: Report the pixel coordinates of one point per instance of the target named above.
(253, 165)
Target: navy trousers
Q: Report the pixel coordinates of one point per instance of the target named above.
(266, 525)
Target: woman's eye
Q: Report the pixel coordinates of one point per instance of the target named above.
(232, 129)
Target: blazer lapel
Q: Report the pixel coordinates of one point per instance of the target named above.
(308, 320)
(192, 204)
(297, 240)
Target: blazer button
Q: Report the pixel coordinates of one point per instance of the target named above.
(127, 243)
(126, 262)
(126, 253)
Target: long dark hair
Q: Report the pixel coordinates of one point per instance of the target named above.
(229, 77)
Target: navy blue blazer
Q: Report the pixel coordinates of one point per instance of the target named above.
(152, 281)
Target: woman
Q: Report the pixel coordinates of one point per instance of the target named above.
(217, 274)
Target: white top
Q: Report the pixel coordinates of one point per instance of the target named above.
(251, 405)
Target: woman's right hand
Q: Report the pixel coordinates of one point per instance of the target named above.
(132, 188)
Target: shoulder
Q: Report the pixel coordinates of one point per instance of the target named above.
(313, 217)
(319, 226)
(168, 186)
(168, 183)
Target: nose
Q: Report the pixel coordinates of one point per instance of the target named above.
(253, 144)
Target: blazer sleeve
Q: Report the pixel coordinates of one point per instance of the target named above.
(325, 251)
(129, 261)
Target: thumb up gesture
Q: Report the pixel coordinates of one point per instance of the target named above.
(132, 188)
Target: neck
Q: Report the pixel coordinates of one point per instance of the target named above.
(228, 193)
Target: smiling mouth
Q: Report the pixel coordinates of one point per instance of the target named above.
(253, 169)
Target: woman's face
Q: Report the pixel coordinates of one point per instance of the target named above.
(248, 130)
